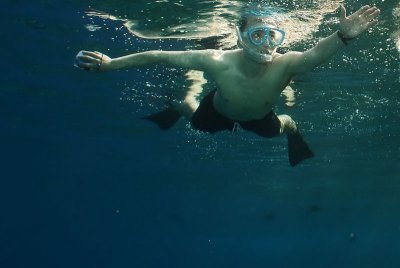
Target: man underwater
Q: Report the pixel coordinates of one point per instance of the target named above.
(249, 79)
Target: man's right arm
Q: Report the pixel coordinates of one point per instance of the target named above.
(201, 60)
(349, 28)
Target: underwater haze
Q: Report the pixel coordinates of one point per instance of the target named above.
(85, 182)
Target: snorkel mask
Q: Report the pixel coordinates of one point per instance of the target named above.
(261, 40)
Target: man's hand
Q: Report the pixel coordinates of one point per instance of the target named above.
(92, 61)
(358, 22)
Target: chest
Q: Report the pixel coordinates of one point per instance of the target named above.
(253, 90)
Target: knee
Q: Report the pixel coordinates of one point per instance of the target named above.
(186, 109)
(288, 125)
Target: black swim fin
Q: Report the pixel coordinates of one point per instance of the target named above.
(298, 149)
(165, 119)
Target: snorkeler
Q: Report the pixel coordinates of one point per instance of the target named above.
(249, 79)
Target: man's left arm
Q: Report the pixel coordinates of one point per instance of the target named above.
(349, 28)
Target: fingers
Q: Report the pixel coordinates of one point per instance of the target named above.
(361, 10)
(86, 66)
(88, 60)
(372, 23)
(342, 12)
(90, 57)
(366, 12)
(371, 13)
(94, 54)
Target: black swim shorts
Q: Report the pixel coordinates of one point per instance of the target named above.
(206, 118)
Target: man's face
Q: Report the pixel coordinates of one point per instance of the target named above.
(259, 38)
(257, 32)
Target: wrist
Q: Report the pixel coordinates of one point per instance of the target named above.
(100, 65)
(108, 64)
(345, 40)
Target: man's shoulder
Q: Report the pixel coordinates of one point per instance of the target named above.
(212, 54)
(222, 56)
(215, 52)
(221, 53)
(289, 55)
(230, 55)
(287, 58)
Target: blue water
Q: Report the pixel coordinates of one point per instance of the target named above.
(86, 183)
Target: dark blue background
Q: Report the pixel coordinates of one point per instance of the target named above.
(86, 183)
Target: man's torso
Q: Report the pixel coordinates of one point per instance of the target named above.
(247, 96)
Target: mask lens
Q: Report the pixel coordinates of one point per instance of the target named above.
(258, 36)
(265, 35)
(276, 37)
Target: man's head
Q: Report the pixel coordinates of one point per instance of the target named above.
(258, 35)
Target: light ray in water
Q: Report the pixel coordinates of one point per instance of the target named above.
(396, 34)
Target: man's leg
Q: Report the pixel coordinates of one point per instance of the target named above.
(288, 126)
(290, 98)
(190, 103)
(166, 118)
(298, 149)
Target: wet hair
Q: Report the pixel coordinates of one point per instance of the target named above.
(244, 20)
(242, 23)
(251, 11)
